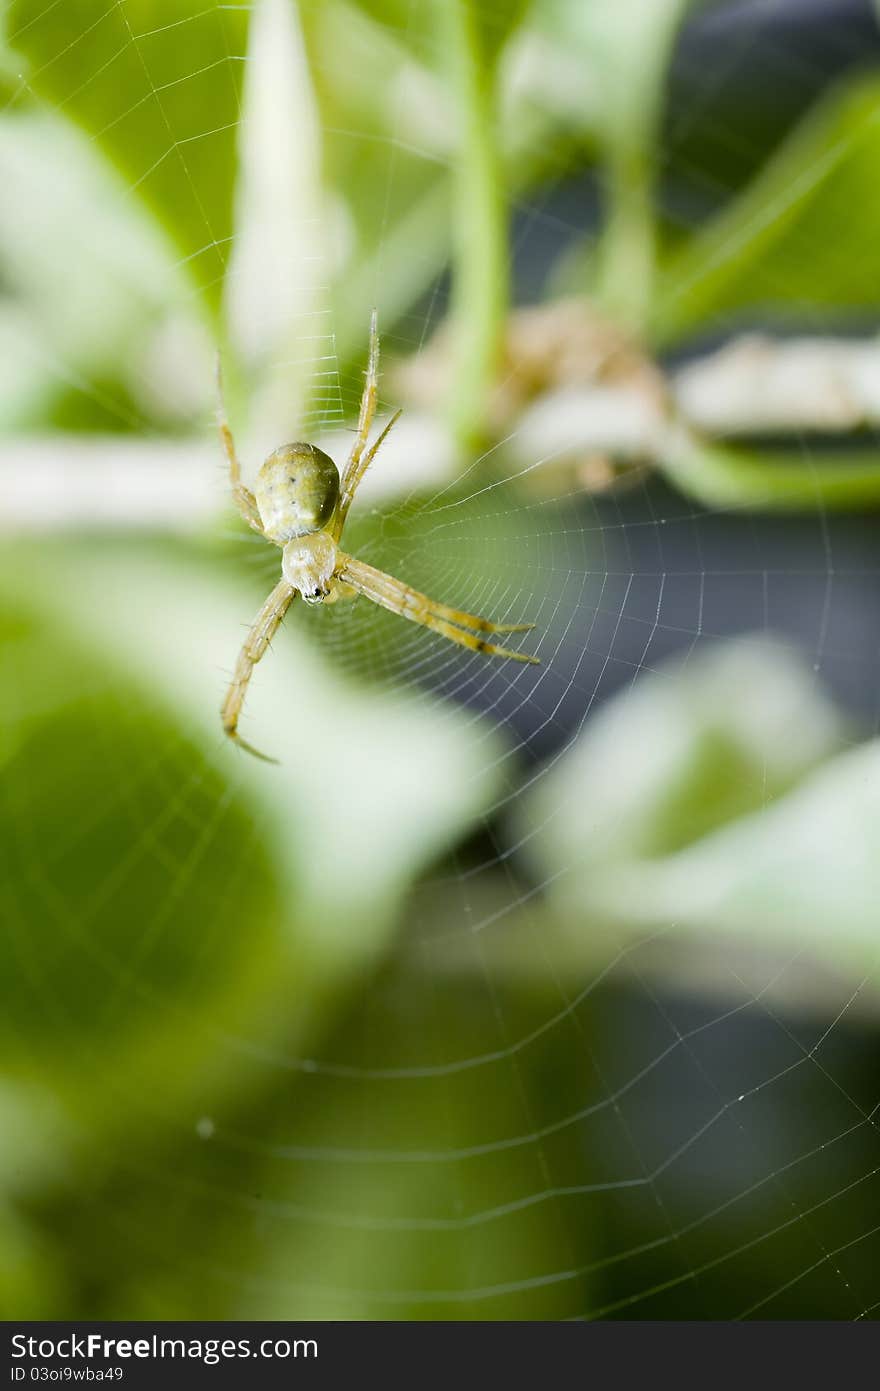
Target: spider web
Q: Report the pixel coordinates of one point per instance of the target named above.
(487, 1128)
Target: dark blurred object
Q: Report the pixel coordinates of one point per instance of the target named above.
(743, 74)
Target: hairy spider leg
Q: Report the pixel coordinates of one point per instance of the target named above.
(242, 496)
(354, 476)
(368, 404)
(399, 598)
(413, 599)
(262, 631)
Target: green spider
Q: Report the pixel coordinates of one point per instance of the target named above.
(300, 504)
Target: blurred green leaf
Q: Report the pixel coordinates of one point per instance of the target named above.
(803, 237)
(412, 90)
(32, 1278)
(416, 26)
(93, 329)
(714, 799)
(674, 757)
(494, 21)
(627, 47)
(156, 83)
(447, 1236)
(359, 1192)
(166, 895)
(274, 297)
(124, 894)
(802, 874)
(385, 118)
(390, 123)
(397, 1240)
(397, 24)
(34, 1143)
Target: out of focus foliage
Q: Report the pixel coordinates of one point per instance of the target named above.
(186, 936)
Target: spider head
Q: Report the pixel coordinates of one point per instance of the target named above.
(297, 491)
(308, 563)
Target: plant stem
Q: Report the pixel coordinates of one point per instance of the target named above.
(627, 248)
(630, 42)
(481, 287)
(726, 476)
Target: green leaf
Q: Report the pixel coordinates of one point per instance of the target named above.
(115, 864)
(628, 46)
(802, 237)
(180, 646)
(185, 925)
(168, 896)
(414, 93)
(377, 1188)
(674, 757)
(416, 1194)
(803, 874)
(684, 810)
(274, 298)
(385, 141)
(416, 25)
(156, 84)
(96, 340)
(494, 22)
(32, 1281)
(390, 1240)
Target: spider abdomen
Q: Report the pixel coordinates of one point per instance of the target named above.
(296, 492)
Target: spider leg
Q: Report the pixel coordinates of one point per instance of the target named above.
(368, 404)
(354, 474)
(409, 603)
(242, 496)
(412, 599)
(262, 631)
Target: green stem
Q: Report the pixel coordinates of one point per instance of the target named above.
(631, 44)
(725, 476)
(481, 288)
(628, 250)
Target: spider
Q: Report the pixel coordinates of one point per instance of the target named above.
(300, 504)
